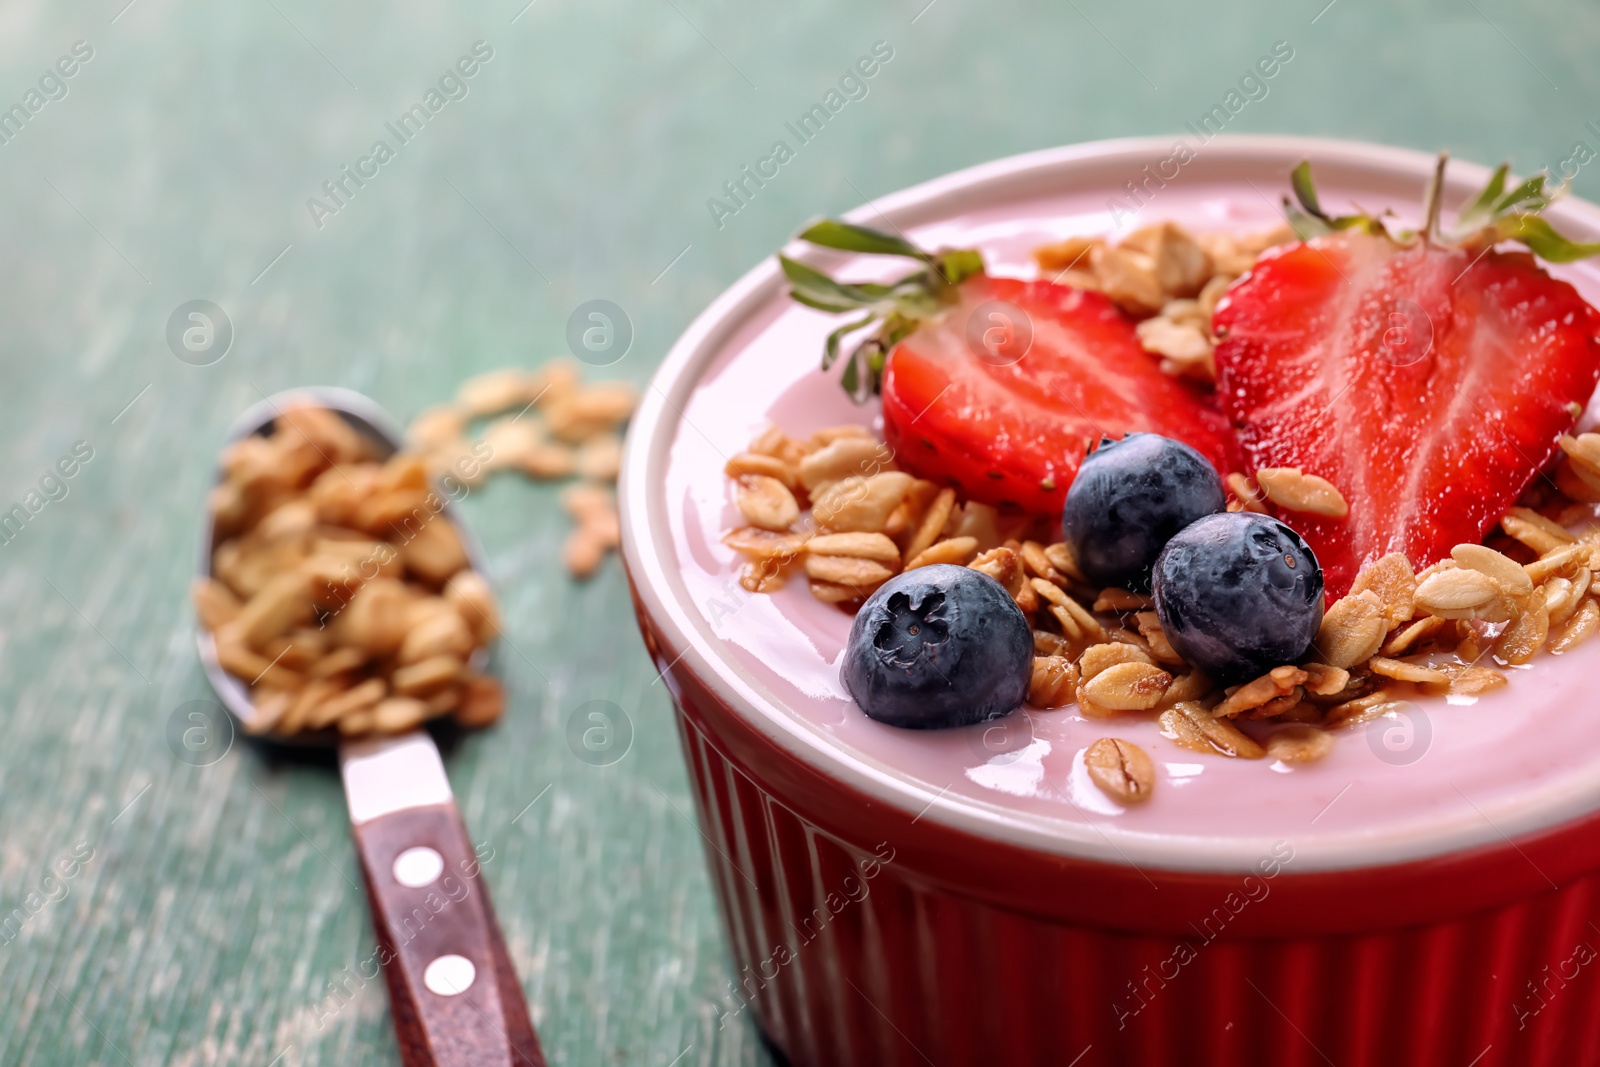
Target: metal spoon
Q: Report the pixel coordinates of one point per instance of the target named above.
(454, 995)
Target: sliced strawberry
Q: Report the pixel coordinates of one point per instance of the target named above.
(1012, 430)
(1428, 386)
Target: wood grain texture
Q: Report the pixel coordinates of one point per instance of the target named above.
(214, 914)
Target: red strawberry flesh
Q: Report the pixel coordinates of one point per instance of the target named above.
(1012, 431)
(1427, 385)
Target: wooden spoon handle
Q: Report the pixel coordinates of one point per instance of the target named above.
(454, 995)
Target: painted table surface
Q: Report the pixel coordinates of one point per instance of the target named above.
(167, 913)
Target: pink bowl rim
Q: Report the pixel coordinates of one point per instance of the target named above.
(648, 552)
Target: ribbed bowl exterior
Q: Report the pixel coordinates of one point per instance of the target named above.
(852, 953)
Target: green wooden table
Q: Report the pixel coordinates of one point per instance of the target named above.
(162, 912)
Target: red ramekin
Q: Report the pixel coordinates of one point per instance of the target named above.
(870, 925)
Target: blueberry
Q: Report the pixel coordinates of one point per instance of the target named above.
(1238, 594)
(1129, 498)
(939, 646)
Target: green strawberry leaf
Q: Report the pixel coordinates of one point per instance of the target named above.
(1542, 238)
(1305, 226)
(1478, 213)
(830, 351)
(851, 381)
(1305, 190)
(1529, 196)
(848, 237)
(1310, 220)
(960, 264)
(800, 296)
(815, 289)
(863, 371)
(1491, 192)
(1496, 215)
(897, 309)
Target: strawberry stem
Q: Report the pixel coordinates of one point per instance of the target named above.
(1434, 202)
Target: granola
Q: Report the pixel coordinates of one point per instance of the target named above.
(1121, 769)
(549, 425)
(340, 592)
(1169, 278)
(1396, 634)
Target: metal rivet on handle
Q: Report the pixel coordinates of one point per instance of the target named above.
(449, 975)
(417, 867)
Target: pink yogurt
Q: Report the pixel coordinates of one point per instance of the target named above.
(1448, 774)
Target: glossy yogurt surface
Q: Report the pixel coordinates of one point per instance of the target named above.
(1448, 774)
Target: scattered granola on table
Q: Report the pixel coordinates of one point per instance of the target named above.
(548, 424)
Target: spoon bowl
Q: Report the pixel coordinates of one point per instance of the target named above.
(367, 418)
